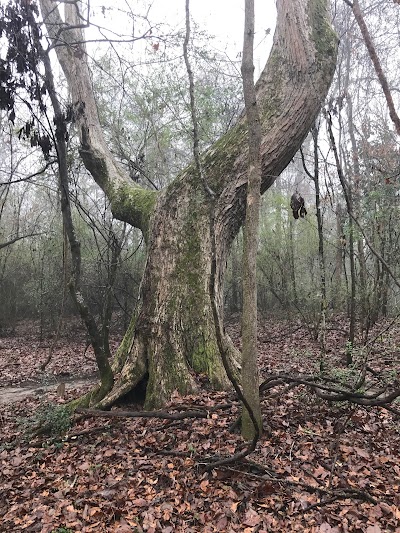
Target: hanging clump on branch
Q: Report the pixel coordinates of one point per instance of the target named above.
(297, 205)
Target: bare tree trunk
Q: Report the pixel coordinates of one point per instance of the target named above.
(103, 365)
(292, 267)
(349, 204)
(250, 379)
(339, 260)
(321, 252)
(355, 195)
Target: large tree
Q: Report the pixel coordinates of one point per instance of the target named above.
(188, 231)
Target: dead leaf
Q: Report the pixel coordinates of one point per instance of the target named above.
(325, 528)
(361, 452)
(374, 529)
(222, 523)
(204, 485)
(16, 461)
(252, 518)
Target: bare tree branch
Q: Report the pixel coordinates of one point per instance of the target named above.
(376, 62)
(27, 178)
(16, 239)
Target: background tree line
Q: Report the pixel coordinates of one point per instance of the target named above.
(352, 153)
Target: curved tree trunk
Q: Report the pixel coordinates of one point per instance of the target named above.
(173, 332)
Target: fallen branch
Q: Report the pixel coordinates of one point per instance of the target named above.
(165, 415)
(87, 431)
(379, 397)
(342, 493)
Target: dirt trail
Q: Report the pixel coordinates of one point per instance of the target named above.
(15, 394)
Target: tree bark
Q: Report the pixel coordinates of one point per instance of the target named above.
(173, 332)
(251, 422)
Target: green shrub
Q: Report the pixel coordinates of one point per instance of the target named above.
(50, 418)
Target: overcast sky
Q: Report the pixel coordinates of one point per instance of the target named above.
(222, 18)
(225, 20)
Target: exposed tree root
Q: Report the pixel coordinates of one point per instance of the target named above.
(341, 493)
(333, 393)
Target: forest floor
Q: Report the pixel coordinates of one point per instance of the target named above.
(326, 467)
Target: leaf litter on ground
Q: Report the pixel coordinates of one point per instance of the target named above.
(147, 474)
